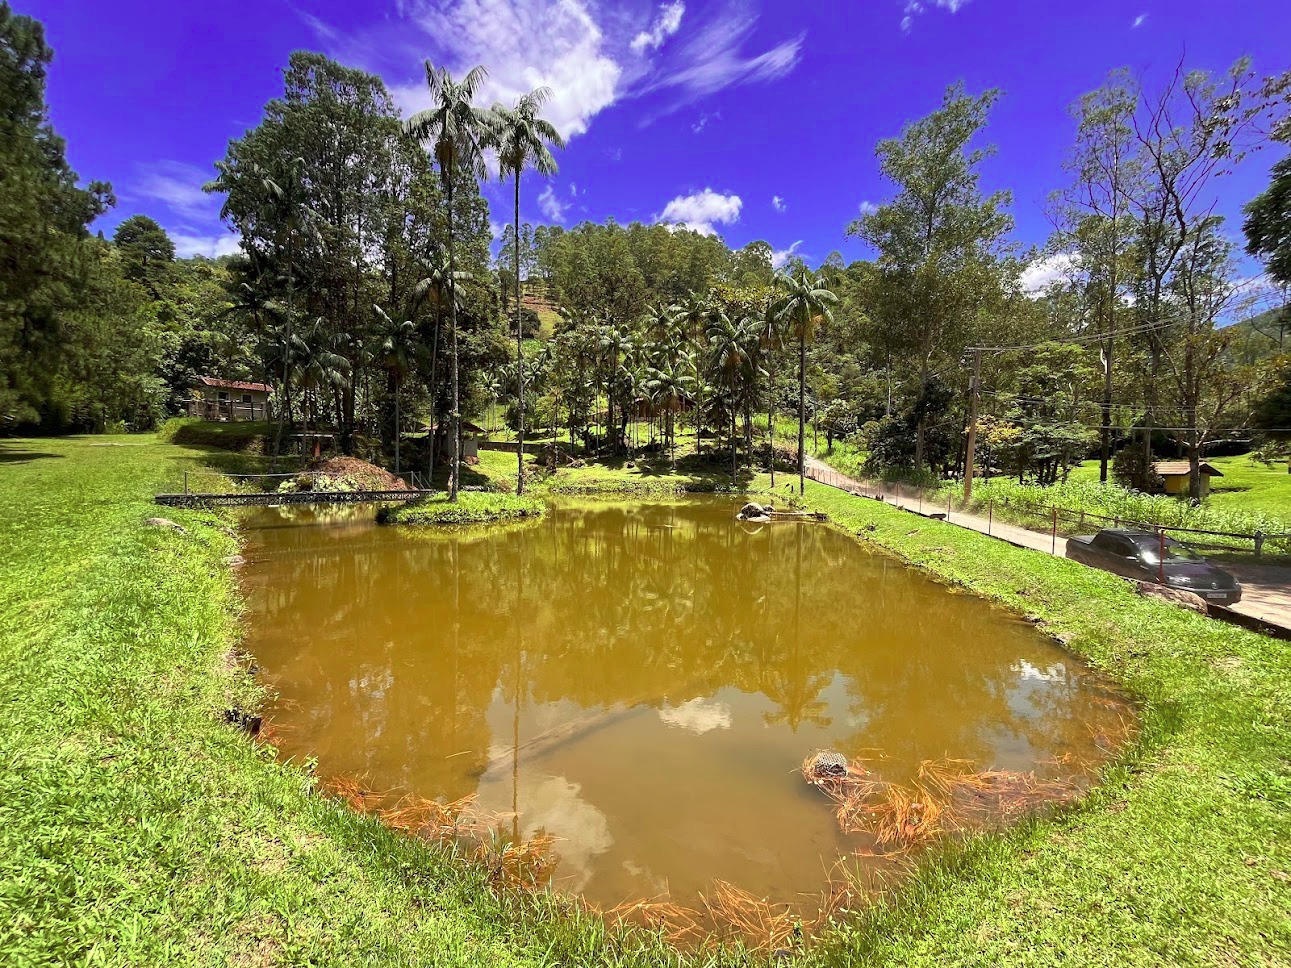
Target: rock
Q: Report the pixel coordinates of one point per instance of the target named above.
(753, 512)
(827, 764)
(166, 523)
(1175, 596)
(235, 561)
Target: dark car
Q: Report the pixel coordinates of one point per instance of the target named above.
(1137, 554)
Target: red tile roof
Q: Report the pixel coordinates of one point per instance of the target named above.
(211, 381)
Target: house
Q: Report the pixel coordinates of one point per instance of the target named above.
(216, 399)
(1175, 473)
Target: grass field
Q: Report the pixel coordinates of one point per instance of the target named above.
(1247, 485)
(137, 827)
(471, 507)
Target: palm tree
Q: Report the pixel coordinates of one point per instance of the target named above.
(731, 363)
(436, 289)
(803, 307)
(670, 385)
(395, 352)
(522, 139)
(692, 316)
(458, 133)
(771, 335)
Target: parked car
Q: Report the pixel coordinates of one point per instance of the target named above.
(1137, 554)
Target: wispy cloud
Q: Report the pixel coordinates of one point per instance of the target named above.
(867, 208)
(1139, 21)
(780, 257)
(178, 186)
(1044, 272)
(778, 203)
(552, 207)
(666, 23)
(914, 8)
(701, 211)
(703, 120)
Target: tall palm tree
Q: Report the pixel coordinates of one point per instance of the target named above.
(771, 335)
(435, 289)
(731, 363)
(692, 317)
(458, 132)
(522, 140)
(395, 353)
(804, 305)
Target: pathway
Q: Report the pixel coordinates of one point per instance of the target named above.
(1266, 589)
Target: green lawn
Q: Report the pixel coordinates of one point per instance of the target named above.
(1247, 485)
(471, 507)
(136, 827)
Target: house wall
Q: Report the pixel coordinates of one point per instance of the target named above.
(1177, 484)
(235, 405)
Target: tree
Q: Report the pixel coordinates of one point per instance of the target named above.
(146, 252)
(457, 132)
(939, 239)
(804, 305)
(671, 385)
(523, 139)
(1268, 224)
(395, 352)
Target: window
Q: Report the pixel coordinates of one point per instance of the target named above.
(246, 398)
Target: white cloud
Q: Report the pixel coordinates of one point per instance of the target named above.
(712, 58)
(551, 206)
(179, 186)
(699, 716)
(780, 257)
(211, 246)
(665, 25)
(525, 44)
(1044, 272)
(915, 7)
(868, 208)
(778, 203)
(1139, 21)
(701, 210)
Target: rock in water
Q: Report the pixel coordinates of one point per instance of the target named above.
(827, 764)
(754, 512)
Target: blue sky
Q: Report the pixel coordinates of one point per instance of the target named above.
(756, 120)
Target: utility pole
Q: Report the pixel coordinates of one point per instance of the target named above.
(972, 425)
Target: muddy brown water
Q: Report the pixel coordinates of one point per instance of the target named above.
(643, 681)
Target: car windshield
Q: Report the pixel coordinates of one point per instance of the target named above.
(1150, 547)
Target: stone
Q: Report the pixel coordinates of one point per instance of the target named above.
(1175, 596)
(235, 561)
(166, 523)
(754, 512)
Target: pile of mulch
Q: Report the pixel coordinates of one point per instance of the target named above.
(358, 474)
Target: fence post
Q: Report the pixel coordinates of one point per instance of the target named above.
(990, 514)
(1161, 557)
(186, 485)
(1053, 549)
(1259, 543)
(948, 496)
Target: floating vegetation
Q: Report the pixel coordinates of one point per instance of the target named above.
(946, 796)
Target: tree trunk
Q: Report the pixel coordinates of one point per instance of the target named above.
(519, 350)
(433, 432)
(802, 410)
(456, 416)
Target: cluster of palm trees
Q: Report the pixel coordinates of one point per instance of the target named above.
(459, 134)
(701, 355)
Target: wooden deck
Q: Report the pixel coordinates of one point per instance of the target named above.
(294, 497)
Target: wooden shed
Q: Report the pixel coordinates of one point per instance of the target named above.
(1175, 473)
(216, 399)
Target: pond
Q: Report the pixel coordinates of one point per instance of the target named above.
(643, 682)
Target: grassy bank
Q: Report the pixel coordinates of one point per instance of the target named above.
(137, 827)
(1182, 857)
(471, 507)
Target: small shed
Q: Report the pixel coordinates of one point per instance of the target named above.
(216, 399)
(1175, 473)
(471, 434)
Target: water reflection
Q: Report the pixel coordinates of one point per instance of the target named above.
(642, 682)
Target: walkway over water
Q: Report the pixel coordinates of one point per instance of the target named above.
(271, 498)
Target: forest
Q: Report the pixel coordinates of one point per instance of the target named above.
(370, 293)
